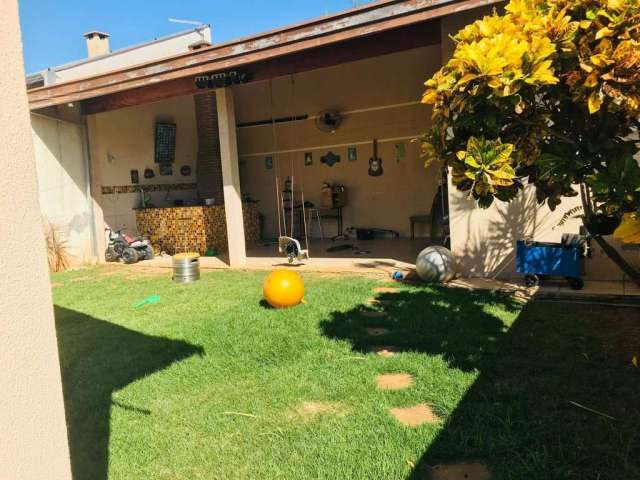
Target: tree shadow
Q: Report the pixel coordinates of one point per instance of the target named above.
(523, 416)
(437, 321)
(98, 358)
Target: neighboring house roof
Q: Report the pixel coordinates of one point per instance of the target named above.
(103, 63)
(363, 21)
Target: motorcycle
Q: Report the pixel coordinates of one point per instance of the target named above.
(129, 249)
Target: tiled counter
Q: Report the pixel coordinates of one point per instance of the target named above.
(202, 228)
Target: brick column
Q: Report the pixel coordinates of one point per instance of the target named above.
(208, 166)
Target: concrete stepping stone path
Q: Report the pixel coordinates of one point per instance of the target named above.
(461, 471)
(386, 290)
(394, 381)
(377, 331)
(414, 416)
(385, 351)
(376, 302)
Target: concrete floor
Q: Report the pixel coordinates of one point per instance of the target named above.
(385, 256)
(381, 256)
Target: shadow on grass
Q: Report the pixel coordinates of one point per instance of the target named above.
(454, 323)
(518, 416)
(98, 358)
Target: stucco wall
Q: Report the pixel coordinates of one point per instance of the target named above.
(122, 140)
(484, 241)
(33, 437)
(387, 201)
(63, 183)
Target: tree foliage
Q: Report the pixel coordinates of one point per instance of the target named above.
(547, 93)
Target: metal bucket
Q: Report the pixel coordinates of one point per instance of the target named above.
(186, 267)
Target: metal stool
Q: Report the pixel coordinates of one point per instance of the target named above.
(310, 214)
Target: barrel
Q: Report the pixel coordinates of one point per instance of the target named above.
(186, 267)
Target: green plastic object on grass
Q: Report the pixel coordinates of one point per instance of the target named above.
(147, 301)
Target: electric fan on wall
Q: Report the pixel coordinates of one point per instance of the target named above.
(328, 121)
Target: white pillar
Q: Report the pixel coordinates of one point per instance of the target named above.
(33, 431)
(231, 177)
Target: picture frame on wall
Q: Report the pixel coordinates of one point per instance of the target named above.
(166, 169)
(308, 158)
(352, 154)
(268, 162)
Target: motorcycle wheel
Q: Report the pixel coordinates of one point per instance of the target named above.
(148, 252)
(110, 255)
(130, 255)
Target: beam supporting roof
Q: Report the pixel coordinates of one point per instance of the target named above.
(361, 22)
(414, 36)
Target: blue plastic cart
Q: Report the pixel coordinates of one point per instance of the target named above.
(539, 259)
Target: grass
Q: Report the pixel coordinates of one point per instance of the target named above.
(209, 384)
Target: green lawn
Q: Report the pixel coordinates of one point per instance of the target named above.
(209, 384)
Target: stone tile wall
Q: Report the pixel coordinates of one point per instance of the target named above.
(199, 229)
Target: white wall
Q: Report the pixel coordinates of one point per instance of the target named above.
(121, 140)
(33, 434)
(63, 183)
(128, 57)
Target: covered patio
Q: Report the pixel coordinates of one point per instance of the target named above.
(328, 104)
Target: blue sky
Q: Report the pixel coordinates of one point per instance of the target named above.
(52, 29)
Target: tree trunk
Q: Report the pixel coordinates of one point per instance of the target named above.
(608, 249)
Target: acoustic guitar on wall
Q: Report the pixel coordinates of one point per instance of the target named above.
(375, 162)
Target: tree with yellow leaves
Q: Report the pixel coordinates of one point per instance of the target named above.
(547, 93)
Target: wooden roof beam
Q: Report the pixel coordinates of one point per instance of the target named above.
(360, 22)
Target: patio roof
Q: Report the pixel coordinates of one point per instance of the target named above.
(174, 75)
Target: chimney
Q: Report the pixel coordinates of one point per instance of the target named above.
(97, 43)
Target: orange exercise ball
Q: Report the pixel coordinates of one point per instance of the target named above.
(283, 288)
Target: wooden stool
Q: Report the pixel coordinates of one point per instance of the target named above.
(419, 218)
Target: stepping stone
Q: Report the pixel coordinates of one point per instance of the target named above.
(310, 410)
(394, 381)
(377, 331)
(414, 416)
(461, 471)
(373, 313)
(376, 302)
(386, 290)
(385, 351)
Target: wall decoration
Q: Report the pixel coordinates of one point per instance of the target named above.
(135, 177)
(352, 154)
(400, 151)
(268, 162)
(113, 189)
(330, 159)
(149, 173)
(308, 158)
(165, 143)
(166, 169)
(185, 170)
(375, 162)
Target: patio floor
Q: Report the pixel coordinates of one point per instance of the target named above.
(386, 256)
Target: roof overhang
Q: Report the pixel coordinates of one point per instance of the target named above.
(351, 25)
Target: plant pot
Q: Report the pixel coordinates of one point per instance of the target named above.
(600, 224)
